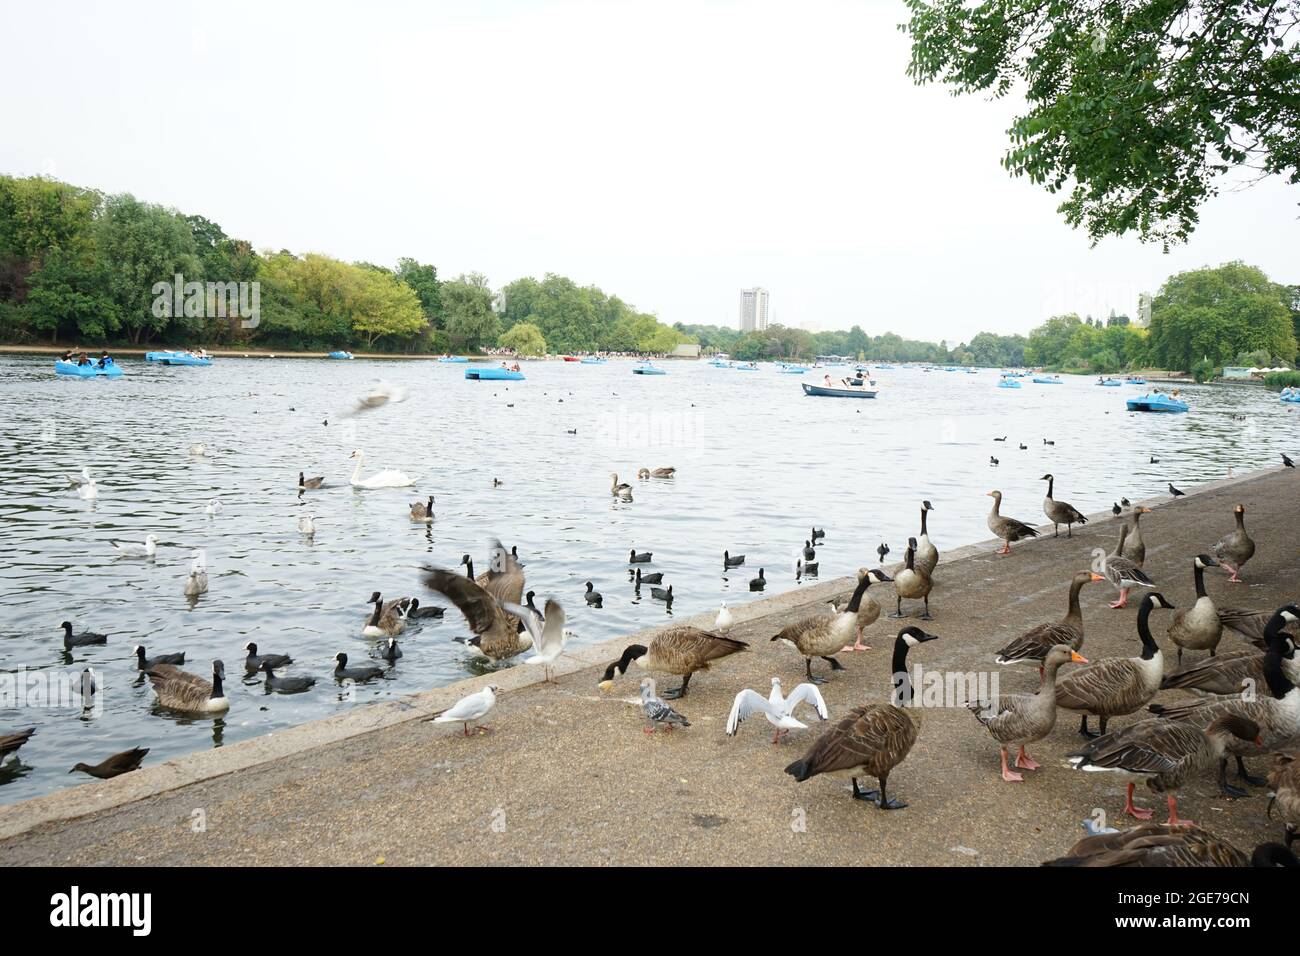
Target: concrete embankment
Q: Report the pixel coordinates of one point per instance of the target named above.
(566, 775)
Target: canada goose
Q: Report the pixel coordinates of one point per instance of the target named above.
(1158, 844)
(811, 569)
(724, 621)
(777, 708)
(1114, 686)
(307, 525)
(758, 583)
(547, 633)
(1239, 671)
(656, 711)
(286, 685)
(83, 639)
(1134, 548)
(422, 511)
(1237, 547)
(641, 558)
(656, 472)
(1166, 753)
(360, 673)
(868, 608)
(115, 765)
(1277, 713)
(187, 693)
(255, 661)
(809, 554)
(380, 479)
(663, 594)
(496, 631)
(304, 482)
(593, 597)
(619, 489)
(873, 739)
(9, 743)
(469, 709)
(1172, 490)
(656, 578)
(823, 635)
(386, 619)
(911, 583)
(514, 553)
(1060, 512)
(1284, 782)
(1019, 719)
(817, 535)
(680, 650)
(732, 561)
(1197, 628)
(927, 555)
(1034, 644)
(145, 663)
(1249, 624)
(1123, 572)
(129, 549)
(415, 612)
(1008, 529)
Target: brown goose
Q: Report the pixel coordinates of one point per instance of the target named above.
(1034, 644)
(1157, 844)
(927, 555)
(1019, 719)
(656, 472)
(1237, 547)
(1008, 529)
(188, 693)
(1241, 670)
(868, 609)
(1249, 624)
(497, 632)
(1198, 627)
(1122, 572)
(304, 482)
(1114, 686)
(823, 635)
(1166, 753)
(115, 765)
(681, 650)
(1060, 512)
(873, 739)
(911, 583)
(1135, 549)
(422, 511)
(10, 743)
(1284, 781)
(387, 619)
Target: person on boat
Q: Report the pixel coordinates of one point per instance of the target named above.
(104, 360)
(829, 383)
(66, 357)
(83, 359)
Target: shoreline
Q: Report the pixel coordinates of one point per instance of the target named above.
(567, 744)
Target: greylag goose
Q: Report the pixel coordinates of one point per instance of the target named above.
(1114, 686)
(1121, 571)
(619, 489)
(823, 635)
(868, 609)
(1008, 529)
(1166, 753)
(874, 738)
(1284, 781)
(1034, 644)
(1157, 844)
(1198, 627)
(1237, 547)
(1135, 548)
(1019, 719)
(680, 650)
(115, 765)
(911, 583)
(1241, 670)
(1060, 512)
(656, 472)
(777, 708)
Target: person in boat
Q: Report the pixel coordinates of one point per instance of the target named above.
(829, 383)
(83, 359)
(104, 360)
(66, 356)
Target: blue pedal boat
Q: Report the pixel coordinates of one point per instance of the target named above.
(493, 374)
(1156, 402)
(110, 370)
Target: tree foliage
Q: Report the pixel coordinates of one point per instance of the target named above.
(1136, 108)
(523, 338)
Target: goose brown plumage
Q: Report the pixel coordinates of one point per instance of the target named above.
(188, 693)
(1198, 627)
(1284, 781)
(1008, 529)
(680, 650)
(1157, 844)
(824, 635)
(497, 633)
(911, 583)
(1060, 512)
(868, 609)
(1135, 548)
(1237, 547)
(1034, 644)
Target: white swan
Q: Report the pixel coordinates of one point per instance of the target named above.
(127, 549)
(381, 479)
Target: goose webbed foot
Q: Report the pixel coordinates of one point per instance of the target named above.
(1225, 788)
(871, 795)
(1083, 728)
(925, 616)
(1140, 813)
(1024, 761)
(674, 693)
(1244, 774)
(835, 665)
(1009, 775)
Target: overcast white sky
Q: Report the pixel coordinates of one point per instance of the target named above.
(668, 152)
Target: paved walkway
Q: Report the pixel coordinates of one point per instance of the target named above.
(568, 777)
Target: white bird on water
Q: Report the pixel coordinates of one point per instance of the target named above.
(198, 449)
(198, 580)
(214, 507)
(778, 710)
(307, 525)
(724, 620)
(128, 549)
(75, 482)
(469, 709)
(381, 479)
(88, 490)
(548, 633)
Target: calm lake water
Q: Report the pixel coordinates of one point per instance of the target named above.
(758, 464)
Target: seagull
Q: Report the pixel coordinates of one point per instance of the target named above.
(724, 620)
(778, 710)
(1175, 492)
(127, 549)
(381, 395)
(307, 525)
(214, 507)
(88, 490)
(1287, 461)
(472, 708)
(656, 711)
(85, 479)
(547, 632)
(198, 449)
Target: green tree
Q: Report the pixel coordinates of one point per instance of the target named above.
(70, 295)
(385, 307)
(523, 338)
(1138, 107)
(467, 305)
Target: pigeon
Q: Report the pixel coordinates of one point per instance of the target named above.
(778, 710)
(656, 711)
(1175, 492)
(469, 709)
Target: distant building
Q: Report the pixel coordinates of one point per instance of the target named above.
(753, 309)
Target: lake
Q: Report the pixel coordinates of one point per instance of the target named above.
(758, 465)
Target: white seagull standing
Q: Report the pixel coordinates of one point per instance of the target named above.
(778, 710)
(469, 709)
(128, 549)
(548, 633)
(724, 619)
